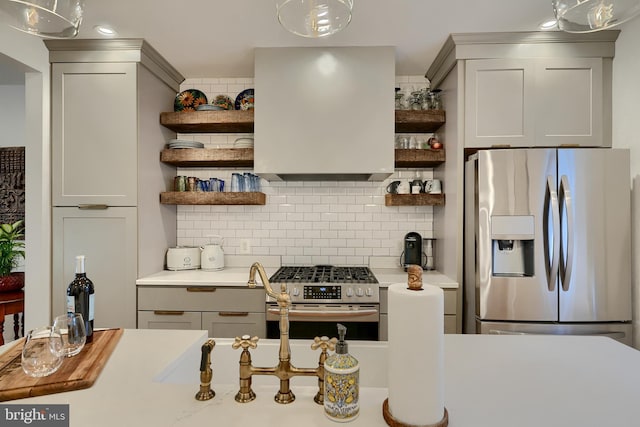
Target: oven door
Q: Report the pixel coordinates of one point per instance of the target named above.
(307, 321)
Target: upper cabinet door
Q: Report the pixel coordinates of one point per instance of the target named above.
(499, 107)
(535, 102)
(570, 102)
(94, 136)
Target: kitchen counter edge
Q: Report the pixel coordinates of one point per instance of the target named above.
(238, 276)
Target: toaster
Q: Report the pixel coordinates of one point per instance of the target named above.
(183, 258)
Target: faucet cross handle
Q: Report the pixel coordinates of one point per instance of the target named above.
(245, 342)
(324, 343)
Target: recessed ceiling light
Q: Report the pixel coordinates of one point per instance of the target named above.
(549, 24)
(105, 30)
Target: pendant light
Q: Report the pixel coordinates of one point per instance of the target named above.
(45, 18)
(314, 18)
(586, 16)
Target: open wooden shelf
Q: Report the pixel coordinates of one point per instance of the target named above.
(238, 121)
(208, 157)
(419, 121)
(421, 199)
(226, 121)
(212, 198)
(418, 158)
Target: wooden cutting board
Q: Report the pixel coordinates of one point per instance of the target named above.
(77, 372)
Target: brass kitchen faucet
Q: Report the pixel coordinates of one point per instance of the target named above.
(284, 370)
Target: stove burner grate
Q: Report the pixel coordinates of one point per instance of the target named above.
(323, 274)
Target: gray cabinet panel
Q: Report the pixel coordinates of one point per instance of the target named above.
(201, 298)
(94, 134)
(108, 239)
(570, 102)
(498, 103)
(225, 312)
(534, 102)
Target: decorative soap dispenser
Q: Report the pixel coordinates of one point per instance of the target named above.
(341, 382)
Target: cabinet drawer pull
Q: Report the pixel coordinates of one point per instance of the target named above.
(200, 289)
(93, 207)
(233, 313)
(168, 313)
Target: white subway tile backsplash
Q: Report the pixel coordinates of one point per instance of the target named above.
(304, 222)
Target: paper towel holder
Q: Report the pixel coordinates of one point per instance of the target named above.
(444, 422)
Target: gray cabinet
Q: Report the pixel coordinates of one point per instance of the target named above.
(450, 312)
(106, 96)
(226, 312)
(528, 102)
(107, 237)
(94, 128)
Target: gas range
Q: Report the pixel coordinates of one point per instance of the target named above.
(328, 284)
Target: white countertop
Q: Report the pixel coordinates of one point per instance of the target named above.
(490, 381)
(238, 276)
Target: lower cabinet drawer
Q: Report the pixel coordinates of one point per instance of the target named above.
(165, 319)
(229, 324)
(200, 298)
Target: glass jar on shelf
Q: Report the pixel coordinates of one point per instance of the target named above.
(434, 100)
(399, 98)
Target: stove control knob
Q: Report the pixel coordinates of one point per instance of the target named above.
(359, 292)
(349, 292)
(295, 292)
(369, 292)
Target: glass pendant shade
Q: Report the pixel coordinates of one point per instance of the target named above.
(45, 18)
(314, 18)
(586, 16)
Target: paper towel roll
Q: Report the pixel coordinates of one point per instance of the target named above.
(416, 354)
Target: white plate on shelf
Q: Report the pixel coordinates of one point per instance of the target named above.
(176, 143)
(243, 143)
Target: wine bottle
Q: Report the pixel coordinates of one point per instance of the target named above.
(80, 297)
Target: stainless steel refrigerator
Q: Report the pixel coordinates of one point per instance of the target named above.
(548, 242)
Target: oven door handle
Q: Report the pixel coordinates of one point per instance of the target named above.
(325, 313)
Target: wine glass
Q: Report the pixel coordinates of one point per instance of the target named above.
(71, 328)
(42, 353)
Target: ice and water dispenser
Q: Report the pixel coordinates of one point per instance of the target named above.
(512, 245)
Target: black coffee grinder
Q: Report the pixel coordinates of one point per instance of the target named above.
(412, 250)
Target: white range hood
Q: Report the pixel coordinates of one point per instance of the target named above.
(324, 113)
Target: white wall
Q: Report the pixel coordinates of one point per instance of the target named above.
(327, 222)
(12, 115)
(626, 134)
(32, 54)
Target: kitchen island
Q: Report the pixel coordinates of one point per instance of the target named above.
(493, 381)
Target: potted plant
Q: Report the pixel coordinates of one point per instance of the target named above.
(11, 249)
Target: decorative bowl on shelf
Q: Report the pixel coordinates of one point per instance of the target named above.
(189, 100)
(224, 102)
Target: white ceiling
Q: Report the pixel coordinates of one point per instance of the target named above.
(215, 38)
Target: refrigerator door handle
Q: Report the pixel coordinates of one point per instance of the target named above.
(551, 202)
(565, 267)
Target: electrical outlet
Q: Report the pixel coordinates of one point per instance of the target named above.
(245, 247)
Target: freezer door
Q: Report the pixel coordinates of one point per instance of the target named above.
(595, 262)
(514, 187)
